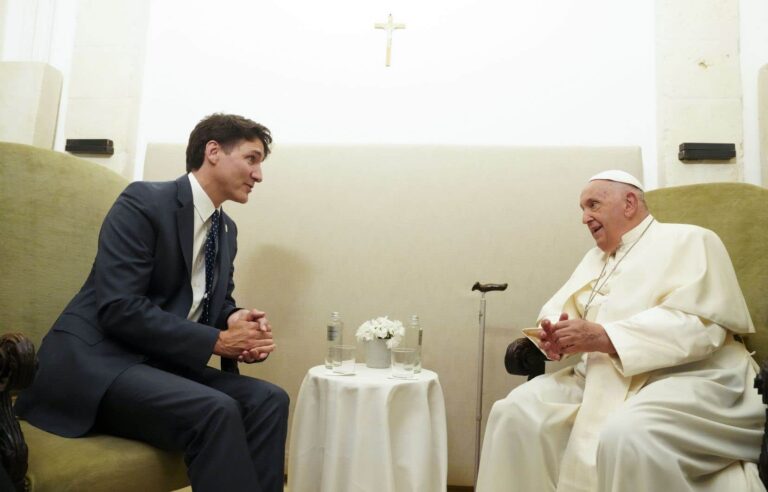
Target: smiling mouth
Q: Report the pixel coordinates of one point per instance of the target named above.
(596, 230)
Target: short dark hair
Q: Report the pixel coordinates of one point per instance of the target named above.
(227, 130)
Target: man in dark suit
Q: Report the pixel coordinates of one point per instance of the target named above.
(128, 356)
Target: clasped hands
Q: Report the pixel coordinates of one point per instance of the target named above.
(248, 337)
(569, 336)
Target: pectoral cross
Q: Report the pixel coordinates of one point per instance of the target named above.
(389, 27)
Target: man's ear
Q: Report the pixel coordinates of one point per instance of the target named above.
(630, 205)
(212, 151)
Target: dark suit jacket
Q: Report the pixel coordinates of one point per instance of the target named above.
(131, 309)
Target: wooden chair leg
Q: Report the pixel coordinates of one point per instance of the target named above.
(17, 370)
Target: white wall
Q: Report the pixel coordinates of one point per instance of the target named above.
(99, 47)
(754, 55)
(699, 88)
(486, 72)
(107, 73)
(41, 31)
(29, 103)
(3, 17)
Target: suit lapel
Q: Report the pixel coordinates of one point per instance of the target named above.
(223, 257)
(185, 220)
(224, 263)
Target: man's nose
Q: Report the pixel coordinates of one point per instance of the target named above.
(585, 217)
(256, 173)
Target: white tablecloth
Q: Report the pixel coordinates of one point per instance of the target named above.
(368, 433)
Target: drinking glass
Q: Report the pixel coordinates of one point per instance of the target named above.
(403, 360)
(343, 359)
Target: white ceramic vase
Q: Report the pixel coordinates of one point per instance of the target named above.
(377, 354)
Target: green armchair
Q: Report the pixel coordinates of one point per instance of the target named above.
(738, 213)
(51, 208)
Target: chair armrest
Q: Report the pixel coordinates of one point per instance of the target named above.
(523, 358)
(761, 383)
(17, 371)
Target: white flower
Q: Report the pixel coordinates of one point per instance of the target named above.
(382, 328)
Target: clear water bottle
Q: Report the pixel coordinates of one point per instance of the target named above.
(333, 336)
(415, 326)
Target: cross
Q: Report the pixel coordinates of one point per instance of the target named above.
(389, 27)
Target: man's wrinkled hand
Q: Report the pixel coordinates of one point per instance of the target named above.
(570, 336)
(549, 342)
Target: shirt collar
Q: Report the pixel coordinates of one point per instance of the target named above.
(634, 234)
(203, 204)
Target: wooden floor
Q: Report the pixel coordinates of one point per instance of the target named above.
(451, 488)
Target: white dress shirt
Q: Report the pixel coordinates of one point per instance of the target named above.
(204, 208)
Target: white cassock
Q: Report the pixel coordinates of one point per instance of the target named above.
(673, 410)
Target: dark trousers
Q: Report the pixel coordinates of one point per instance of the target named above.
(5, 480)
(231, 428)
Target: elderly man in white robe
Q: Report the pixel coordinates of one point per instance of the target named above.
(661, 397)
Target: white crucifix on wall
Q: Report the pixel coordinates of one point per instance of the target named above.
(390, 27)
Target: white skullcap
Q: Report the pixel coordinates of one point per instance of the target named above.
(619, 177)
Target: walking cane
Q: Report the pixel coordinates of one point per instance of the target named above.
(483, 288)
